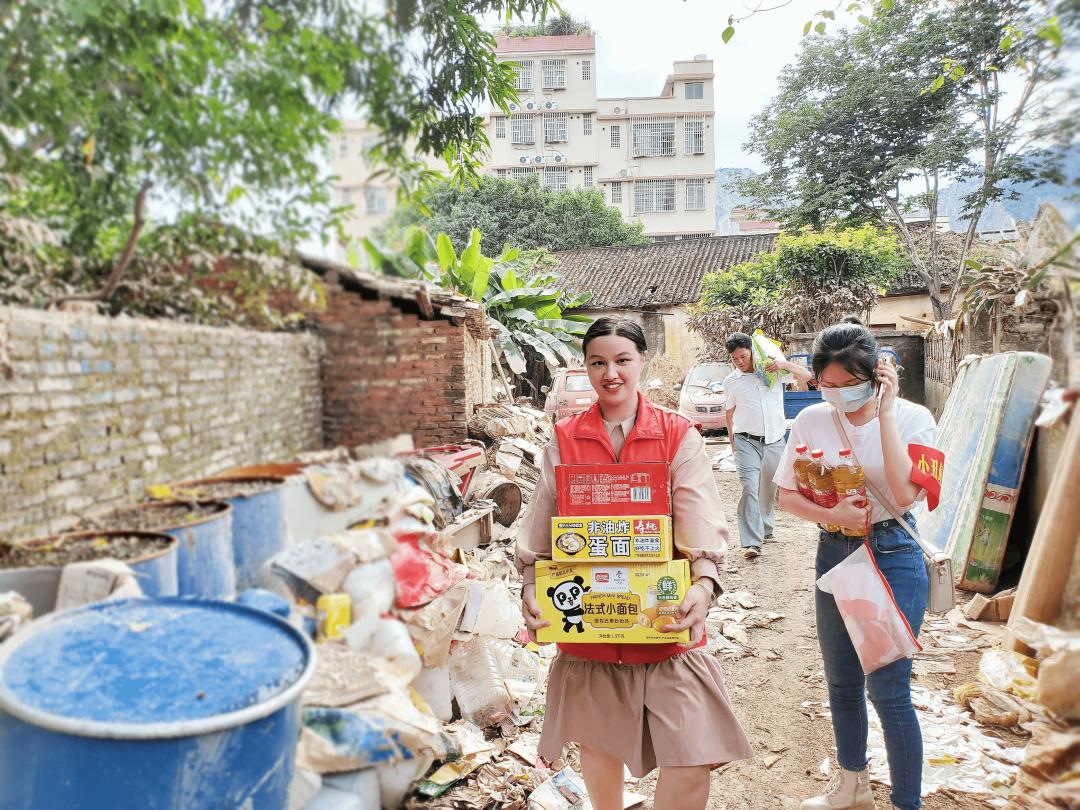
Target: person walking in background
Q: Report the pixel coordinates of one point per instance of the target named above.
(755, 425)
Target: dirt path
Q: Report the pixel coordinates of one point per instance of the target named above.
(770, 686)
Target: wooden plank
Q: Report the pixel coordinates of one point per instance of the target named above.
(1041, 591)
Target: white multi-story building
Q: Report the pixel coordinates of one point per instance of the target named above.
(651, 156)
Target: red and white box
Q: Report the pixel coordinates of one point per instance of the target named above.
(626, 488)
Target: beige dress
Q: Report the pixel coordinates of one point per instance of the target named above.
(672, 713)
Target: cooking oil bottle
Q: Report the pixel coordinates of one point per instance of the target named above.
(821, 484)
(848, 478)
(802, 471)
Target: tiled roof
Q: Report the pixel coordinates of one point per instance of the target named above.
(657, 274)
(576, 42)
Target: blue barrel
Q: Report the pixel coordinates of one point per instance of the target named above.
(155, 570)
(258, 523)
(204, 562)
(151, 703)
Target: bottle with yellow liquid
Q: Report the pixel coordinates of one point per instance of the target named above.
(821, 484)
(848, 478)
(802, 471)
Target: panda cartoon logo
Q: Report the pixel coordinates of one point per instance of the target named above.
(566, 596)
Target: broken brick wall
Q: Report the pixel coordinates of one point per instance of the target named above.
(388, 370)
(96, 408)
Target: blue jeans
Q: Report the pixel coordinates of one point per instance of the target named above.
(756, 463)
(901, 562)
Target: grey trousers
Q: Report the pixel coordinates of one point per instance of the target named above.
(757, 463)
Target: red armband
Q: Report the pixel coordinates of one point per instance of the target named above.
(927, 467)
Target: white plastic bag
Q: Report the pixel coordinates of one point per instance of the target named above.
(878, 630)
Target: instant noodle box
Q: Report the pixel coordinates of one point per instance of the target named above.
(626, 488)
(611, 604)
(611, 538)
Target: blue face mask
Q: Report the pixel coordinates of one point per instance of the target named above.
(850, 398)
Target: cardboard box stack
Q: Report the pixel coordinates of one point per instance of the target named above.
(612, 578)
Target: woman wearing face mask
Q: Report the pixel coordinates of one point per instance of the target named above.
(640, 706)
(880, 428)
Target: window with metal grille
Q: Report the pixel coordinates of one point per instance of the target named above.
(500, 173)
(586, 70)
(586, 124)
(375, 200)
(500, 127)
(520, 172)
(588, 176)
(616, 137)
(366, 145)
(521, 129)
(694, 136)
(343, 146)
(616, 191)
(666, 237)
(694, 90)
(554, 127)
(695, 194)
(654, 195)
(346, 196)
(555, 178)
(522, 75)
(554, 74)
(654, 136)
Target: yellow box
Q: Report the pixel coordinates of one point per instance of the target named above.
(611, 538)
(611, 604)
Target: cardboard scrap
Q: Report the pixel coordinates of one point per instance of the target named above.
(83, 583)
(995, 608)
(432, 626)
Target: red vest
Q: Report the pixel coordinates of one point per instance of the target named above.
(656, 436)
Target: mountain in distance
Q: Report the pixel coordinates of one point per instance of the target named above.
(1001, 215)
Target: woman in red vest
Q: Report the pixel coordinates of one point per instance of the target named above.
(639, 705)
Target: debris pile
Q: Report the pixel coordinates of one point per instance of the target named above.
(517, 438)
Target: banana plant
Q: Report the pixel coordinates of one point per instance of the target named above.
(524, 305)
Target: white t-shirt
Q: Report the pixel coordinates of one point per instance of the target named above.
(759, 410)
(815, 428)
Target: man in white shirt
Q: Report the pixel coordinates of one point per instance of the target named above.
(756, 426)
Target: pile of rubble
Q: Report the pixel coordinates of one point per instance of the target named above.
(517, 437)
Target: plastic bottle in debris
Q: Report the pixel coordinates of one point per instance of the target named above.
(821, 484)
(802, 471)
(478, 683)
(848, 479)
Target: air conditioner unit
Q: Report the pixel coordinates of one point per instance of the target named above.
(624, 172)
(560, 158)
(531, 105)
(513, 107)
(539, 159)
(524, 159)
(616, 110)
(550, 105)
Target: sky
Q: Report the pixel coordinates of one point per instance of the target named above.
(637, 40)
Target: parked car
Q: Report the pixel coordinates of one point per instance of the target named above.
(570, 392)
(702, 397)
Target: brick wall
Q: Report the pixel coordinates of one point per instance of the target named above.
(98, 408)
(389, 371)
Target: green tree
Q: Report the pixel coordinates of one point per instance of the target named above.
(525, 307)
(562, 25)
(517, 213)
(913, 94)
(230, 101)
(809, 281)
